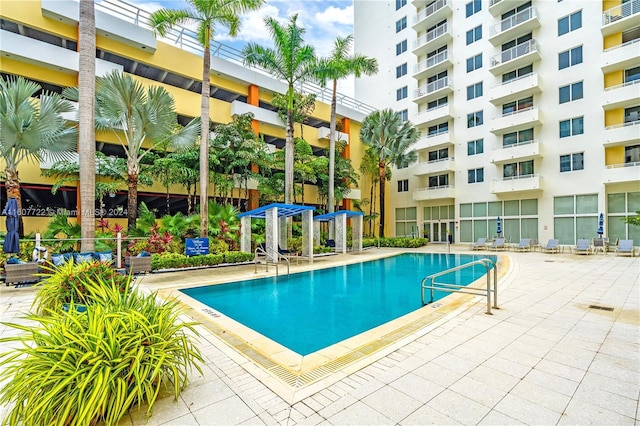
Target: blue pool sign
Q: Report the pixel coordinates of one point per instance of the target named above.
(196, 246)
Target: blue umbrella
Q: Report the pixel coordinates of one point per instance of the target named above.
(12, 240)
(601, 224)
(499, 226)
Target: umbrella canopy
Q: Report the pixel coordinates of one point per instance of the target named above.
(12, 240)
(499, 226)
(601, 224)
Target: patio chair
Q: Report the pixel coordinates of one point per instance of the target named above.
(625, 247)
(599, 245)
(480, 244)
(583, 246)
(553, 246)
(498, 244)
(525, 245)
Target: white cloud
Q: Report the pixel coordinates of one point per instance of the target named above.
(335, 15)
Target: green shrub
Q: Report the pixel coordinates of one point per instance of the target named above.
(83, 368)
(237, 257)
(177, 260)
(217, 246)
(399, 242)
(322, 249)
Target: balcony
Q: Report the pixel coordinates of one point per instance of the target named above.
(498, 7)
(260, 114)
(431, 142)
(436, 167)
(622, 173)
(514, 58)
(433, 116)
(432, 65)
(527, 117)
(518, 88)
(620, 57)
(323, 133)
(432, 14)
(521, 151)
(517, 184)
(434, 90)
(620, 18)
(621, 134)
(434, 193)
(437, 37)
(621, 96)
(509, 28)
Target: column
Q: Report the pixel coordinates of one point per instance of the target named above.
(271, 231)
(253, 98)
(341, 232)
(356, 232)
(307, 233)
(282, 240)
(316, 232)
(245, 236)
(346, 128)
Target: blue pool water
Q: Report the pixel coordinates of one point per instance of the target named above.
(311, 310)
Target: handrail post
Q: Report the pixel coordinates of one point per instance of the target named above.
(119, 250)
(488, 288)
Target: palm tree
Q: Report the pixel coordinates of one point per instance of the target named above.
(87, 135)
(390, 138)
(142, 120)
(340, 64)
(206, 14)
(291, 61)
(30, 129)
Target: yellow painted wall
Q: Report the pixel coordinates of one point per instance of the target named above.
(614, 155)
(613, 117)
(613, 78)
(612, 40)
(608, 4)
(35, 72)
(29, 12)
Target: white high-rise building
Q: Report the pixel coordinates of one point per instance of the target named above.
(529, 111)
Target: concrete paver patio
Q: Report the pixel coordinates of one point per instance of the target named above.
(545, 357)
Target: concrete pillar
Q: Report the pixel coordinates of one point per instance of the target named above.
(245, 237)
(271, 231)
(356, 233)
(283, 229)
(307, 234)
(316, 232)
(341, 232)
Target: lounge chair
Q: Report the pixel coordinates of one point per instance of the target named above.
(599, 245)
(480, 244)
(525, 245)
(330, 243)
(553, 246)
(583, 246)
(498, 244)
(625, 247)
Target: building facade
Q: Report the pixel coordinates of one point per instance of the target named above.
(529, 111)
(38, 40)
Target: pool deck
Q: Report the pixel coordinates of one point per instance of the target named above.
(545, 357)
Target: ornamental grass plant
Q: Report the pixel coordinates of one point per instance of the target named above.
(72, 368)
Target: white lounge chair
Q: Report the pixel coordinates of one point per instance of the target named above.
(553, 246)
(525, 245)
(583, 246)
(498, 244)
(625, 247)
(480, 244)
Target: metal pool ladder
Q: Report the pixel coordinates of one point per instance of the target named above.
(275, 256)
(429, 283)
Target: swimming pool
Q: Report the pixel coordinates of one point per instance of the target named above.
(308, 311)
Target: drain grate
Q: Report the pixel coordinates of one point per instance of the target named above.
(602, 308)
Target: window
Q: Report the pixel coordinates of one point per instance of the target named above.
(519, 105)
(440, 180)
(403, 185)
(438, 154)
(572, 162)
(570, 23)
(571, 92)
(400, 3)
(401, 70)
(437, 103)
(474, 34)
(513, 75)
(631, 114)
(570, 57)
(438, 128)
(472, 7)
(632, 74)
(401, 47)
(632, 34)
(507, 55)
(516, 138)
(404, 115)
(512, 12)
(402, 93)
(514, 170)
(476, 175)
(401, 24)
(475, 147)
(406, 223)
(474, 119)
(474, 91)
(572, 127)
(632, 154)
(474, 63)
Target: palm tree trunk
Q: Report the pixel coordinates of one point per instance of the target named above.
(86, 133)
(12, 185)
(132, 199)
(332, 149)
(371, 204)
(204, 139)
(383, 179)
(290, 148)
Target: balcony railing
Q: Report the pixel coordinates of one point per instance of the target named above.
(431, 35)
(510, 178)
(621, 11)
(430, 10)
(618, 86)
(618, 46)
(516, 79)
(619, 166)
(429, 62)
(514, 20)
(492, 2)
(515, 52)
(618, 126)
(521, 143)
(518, 111)
(431, 87)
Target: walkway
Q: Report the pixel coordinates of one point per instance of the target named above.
(546, 357)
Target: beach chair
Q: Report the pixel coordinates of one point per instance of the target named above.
(599, 245)
(553, 246)
(525, 245)
(583, 246)
(478, 245)
(625, 247)
(498, 244)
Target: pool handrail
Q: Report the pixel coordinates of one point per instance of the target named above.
(278, 255)
(455, 288)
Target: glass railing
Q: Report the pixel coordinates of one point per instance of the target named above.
(517, 110)
(431, 35)
(619, 46)
(430, 10)
(621, 165)
(618, 86)
(429, 62)
(621, 11)
(431, 87)
(514, 20)
(515, 52)
(520, 143)
(625, 124)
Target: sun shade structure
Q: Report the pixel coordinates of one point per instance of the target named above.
(276, 216)
(339, 219)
